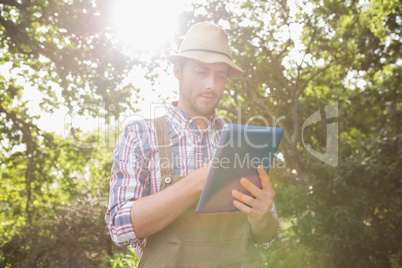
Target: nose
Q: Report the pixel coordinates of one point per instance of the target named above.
(210, 81)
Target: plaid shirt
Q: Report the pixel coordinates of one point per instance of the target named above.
(136, 173)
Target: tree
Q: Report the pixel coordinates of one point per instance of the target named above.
(346, 62)
(65, 51)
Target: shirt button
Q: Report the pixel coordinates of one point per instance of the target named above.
(168, 180)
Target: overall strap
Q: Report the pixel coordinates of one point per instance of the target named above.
(165, 152)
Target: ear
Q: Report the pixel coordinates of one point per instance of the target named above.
(177, 71)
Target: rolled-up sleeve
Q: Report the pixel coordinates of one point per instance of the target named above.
(128, 182)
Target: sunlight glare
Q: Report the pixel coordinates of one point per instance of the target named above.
(146, 25)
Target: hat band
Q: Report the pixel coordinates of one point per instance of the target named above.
(207, 50)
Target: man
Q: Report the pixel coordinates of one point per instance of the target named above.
(159, 172)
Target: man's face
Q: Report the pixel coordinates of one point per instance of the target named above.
(201, 86)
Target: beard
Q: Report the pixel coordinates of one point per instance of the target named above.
(200, 105)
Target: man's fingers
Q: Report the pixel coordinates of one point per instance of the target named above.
(254, 190)
(242, 207)
(257, 204)
(249, 186)
(252, 213)
(244, 198)
(265, 180)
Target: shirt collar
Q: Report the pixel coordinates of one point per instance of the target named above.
(185, 120)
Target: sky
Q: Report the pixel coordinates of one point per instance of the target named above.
(148, 25)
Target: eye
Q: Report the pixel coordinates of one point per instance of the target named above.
(200, 72)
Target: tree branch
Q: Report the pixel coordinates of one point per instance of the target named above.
(278, 67)
(28, 178)
(312, 77)
(32, 147)
(299, 67)
(287, 45)
(11, 3)
(259, 100)
(11, 28)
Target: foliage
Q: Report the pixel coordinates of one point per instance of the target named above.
(342, 212)
(63, 51)
(67, 215)
(289, 252)
(122, 260)
(76, 230)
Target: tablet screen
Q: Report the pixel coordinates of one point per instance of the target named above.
(241, 149)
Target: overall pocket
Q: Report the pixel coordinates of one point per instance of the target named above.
(211, 228)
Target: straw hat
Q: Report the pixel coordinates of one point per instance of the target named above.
(207, 43)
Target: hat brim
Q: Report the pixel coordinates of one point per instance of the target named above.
(207, 57)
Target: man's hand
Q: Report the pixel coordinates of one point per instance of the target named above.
(154, 212)
(258, 213)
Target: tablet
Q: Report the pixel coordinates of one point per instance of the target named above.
(240, 150)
